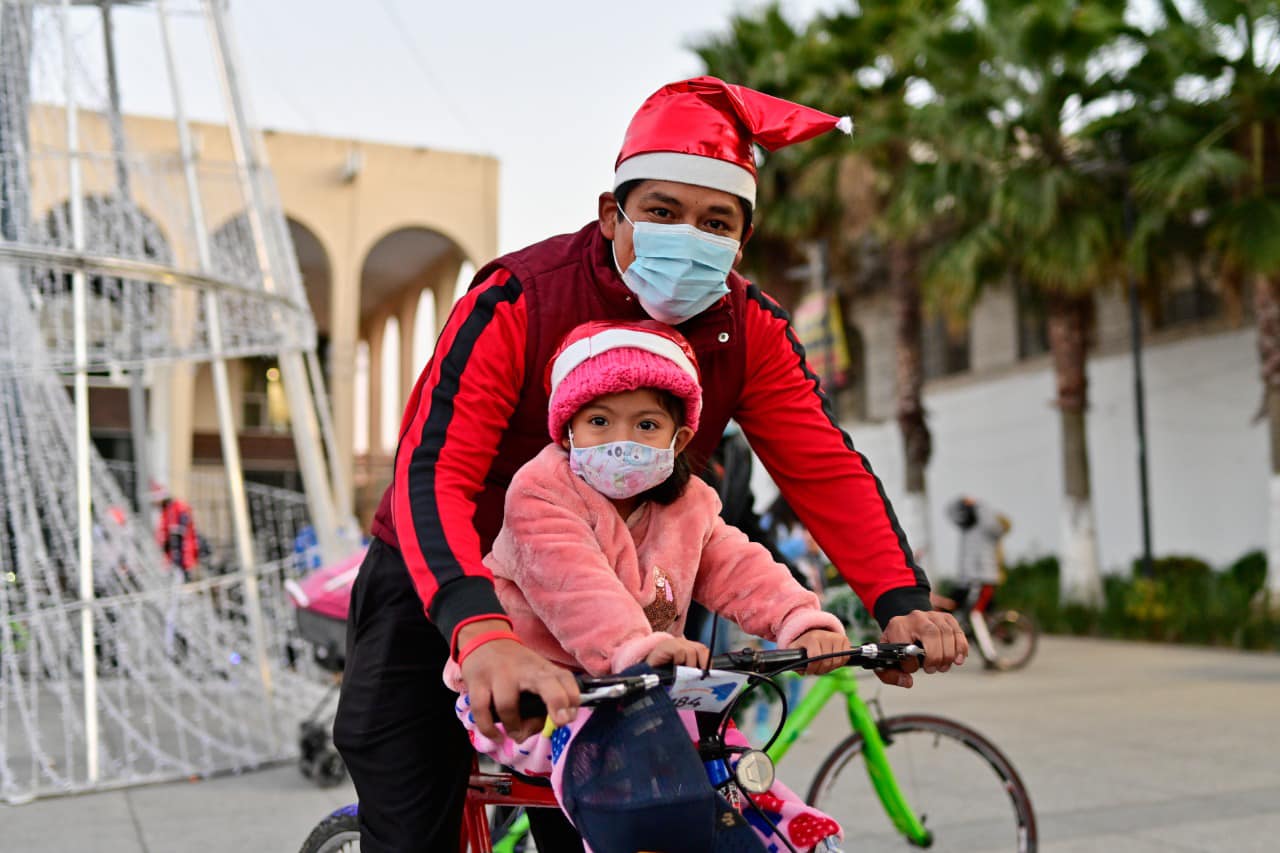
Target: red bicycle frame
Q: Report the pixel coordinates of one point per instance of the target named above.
(499, 789)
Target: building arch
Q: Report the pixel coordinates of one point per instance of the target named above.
(316, 268)
(396, 269)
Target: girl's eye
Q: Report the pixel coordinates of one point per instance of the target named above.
(598, 421)
(647, 426)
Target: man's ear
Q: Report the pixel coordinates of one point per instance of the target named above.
(742, 244)
(684, 435)
(608, 214)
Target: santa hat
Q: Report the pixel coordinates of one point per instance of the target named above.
(600, 357)
(701, 132)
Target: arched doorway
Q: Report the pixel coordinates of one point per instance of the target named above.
(404, 271)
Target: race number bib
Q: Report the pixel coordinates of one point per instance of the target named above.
(691, 691)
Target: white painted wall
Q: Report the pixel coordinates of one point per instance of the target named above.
(998, 439)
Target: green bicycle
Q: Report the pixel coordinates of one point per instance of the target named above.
(940, 784)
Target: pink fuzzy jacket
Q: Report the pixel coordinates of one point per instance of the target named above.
(575, 577)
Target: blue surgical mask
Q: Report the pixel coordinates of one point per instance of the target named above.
(679, 270)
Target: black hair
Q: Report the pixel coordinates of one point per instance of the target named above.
(673, 487)
(627, 187)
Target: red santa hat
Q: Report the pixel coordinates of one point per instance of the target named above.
(603, 357)
(701, 132)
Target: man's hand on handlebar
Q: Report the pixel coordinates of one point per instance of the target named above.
(822, 642)
(680, 652)
(499, 670)
(938, 633)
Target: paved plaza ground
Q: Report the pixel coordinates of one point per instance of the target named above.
(1123, 746)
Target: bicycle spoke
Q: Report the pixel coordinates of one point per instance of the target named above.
(965, 799)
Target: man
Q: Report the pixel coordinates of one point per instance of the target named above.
(662, 246)
(978, 562)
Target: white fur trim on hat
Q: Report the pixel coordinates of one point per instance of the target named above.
(581, 350)
(688, 169)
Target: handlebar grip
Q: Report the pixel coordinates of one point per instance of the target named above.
(758, 660)
(530, 707)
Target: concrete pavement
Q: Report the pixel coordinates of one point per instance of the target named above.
(1123, 747)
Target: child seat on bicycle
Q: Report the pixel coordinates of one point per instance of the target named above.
(607, 539)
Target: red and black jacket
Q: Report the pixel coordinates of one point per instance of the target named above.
(479, 411)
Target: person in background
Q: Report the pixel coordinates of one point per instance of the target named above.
(176, 536)
(175, 531)
(978, 562)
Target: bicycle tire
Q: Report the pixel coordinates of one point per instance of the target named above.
(933, 760)
(338, 833)
(1014, 635)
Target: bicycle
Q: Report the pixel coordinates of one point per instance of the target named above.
(1005, 639)
(912, 818)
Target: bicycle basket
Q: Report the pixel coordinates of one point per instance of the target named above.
(633, 780)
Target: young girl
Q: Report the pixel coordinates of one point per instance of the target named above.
(606, 540)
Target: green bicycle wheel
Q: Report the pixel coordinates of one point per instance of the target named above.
(963, 789)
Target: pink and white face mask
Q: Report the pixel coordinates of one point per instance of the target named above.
(622, 469)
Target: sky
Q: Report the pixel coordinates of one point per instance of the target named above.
(546, 87)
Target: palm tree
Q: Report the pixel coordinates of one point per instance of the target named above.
(1024, 196)
(858, 63)
(1223, 175)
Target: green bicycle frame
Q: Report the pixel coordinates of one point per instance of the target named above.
(799, 718)
(519, 829)
(864, 723)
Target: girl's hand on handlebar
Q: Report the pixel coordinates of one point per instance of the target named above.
(820, 641)
(680, 652)
(938, 633)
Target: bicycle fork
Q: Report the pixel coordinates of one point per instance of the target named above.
(982, 634)
(881, 775)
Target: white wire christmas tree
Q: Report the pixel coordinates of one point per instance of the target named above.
(111, 673)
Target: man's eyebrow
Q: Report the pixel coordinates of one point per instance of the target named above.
(656, 195)
(672, 201)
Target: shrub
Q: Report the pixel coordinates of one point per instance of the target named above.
(1184, 600)
(1249, 572)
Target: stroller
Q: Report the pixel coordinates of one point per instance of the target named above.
(321, 599)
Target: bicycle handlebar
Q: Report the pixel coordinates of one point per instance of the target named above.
(867, 656)
(596, 690)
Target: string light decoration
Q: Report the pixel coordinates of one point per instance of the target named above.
(125, 266)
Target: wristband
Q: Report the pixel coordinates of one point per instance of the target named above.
(486, 637)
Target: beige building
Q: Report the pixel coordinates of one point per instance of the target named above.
(382, 233)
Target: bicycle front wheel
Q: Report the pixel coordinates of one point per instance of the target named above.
(1013, 636)
(338, 833)
(964, 790)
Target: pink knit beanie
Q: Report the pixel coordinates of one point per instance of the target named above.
(599, 358)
